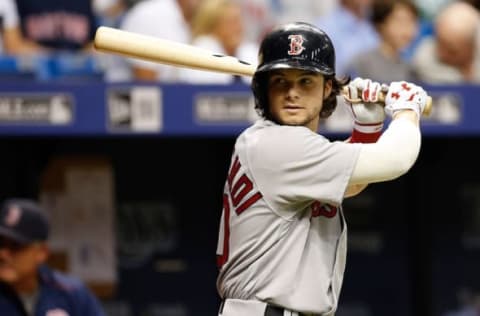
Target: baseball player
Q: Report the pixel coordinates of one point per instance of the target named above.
(282, 237)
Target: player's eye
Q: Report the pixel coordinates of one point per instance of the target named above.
(306, 80)
(11, 245)
(277, 80)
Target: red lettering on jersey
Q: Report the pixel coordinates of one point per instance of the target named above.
(242, 195)
(239, 189)
(221, 259)
(323, 209)
(254, 198)
(233, 171)
(58, 25)
(296, 45)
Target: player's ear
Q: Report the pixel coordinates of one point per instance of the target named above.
(42, 252)
(327, 88)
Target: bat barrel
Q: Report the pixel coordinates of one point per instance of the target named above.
(134, 45)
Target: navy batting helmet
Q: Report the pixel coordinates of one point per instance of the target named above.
(295, 45)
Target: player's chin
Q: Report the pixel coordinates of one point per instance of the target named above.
(292, 120)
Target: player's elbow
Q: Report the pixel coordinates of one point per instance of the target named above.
(385, 160)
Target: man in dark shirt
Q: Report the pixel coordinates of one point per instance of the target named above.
(58, 24)
(27, 285)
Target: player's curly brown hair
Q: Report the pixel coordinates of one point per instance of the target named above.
(259, 88)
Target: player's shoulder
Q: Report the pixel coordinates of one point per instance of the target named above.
(266, 137)
(267, 129)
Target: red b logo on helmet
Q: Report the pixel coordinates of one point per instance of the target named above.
(296, 45)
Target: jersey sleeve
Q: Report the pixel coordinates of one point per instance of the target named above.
(292, 166)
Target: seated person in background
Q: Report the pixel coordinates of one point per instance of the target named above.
(109, 12)
(396, 22)
(58, 25)
(350, 30)
(27, 285)
(218, 27)
(165, 19)
(12, 41)
(300, 10)
(452, 54)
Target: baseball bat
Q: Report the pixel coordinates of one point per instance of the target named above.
(135, 45)
(168, 52)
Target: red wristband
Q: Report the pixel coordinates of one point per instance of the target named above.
(366, 133)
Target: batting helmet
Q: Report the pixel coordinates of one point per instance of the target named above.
(295, 45)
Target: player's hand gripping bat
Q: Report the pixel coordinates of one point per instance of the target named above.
(129, 44)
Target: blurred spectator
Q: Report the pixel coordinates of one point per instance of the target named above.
(350, 30)
(451, 55)
(27, 285)
(396, 22)
(429, 9)
(12, 41)
(300, 10)
(166, 19)
(109, 12)
(259, 18)
(58, 25)
(218, 26)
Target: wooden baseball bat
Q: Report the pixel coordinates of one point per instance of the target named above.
(135, 45)
(163, 51)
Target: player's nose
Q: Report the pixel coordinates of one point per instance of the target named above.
(292, 91)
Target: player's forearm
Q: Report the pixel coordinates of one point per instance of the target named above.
(408, 115)
(16, 44)
(393, 155)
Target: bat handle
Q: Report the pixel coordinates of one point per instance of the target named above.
(426, 111)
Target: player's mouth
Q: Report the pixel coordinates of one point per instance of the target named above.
(292, 108)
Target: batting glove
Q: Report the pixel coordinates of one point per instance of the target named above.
(403, 95)
(367, 110)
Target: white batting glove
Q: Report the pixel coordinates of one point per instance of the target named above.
(403, 95)
(368, 112)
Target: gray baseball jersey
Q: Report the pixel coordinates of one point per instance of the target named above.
(282, 236)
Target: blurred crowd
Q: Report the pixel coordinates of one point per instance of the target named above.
(434, 41)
